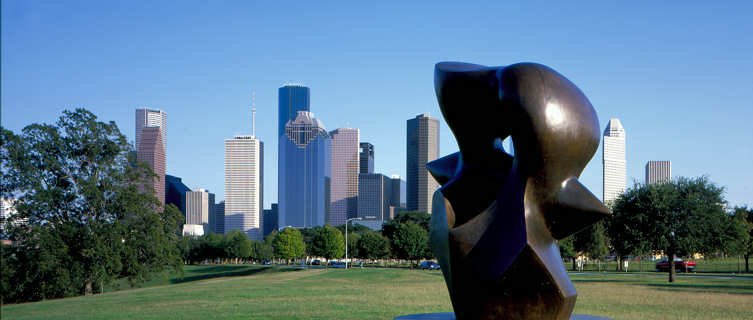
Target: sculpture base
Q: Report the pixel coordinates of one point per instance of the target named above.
(451, 316)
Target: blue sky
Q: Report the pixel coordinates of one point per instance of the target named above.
(678, 76)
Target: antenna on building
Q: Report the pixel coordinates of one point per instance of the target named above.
(253, 114)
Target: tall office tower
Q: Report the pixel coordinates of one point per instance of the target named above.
(199, 208)
(175, 193)
(366, 158)
(658, 171)
(344, 166)
(398, 192)
(304, 176)
(613, 158)
(243, 185)
(151, 145)
(150, 118)
(422, 147)
(219, 218)
(152, 151)
(291, 98)
(271, 218)
(375, 197)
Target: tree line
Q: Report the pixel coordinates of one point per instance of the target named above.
(405, 237)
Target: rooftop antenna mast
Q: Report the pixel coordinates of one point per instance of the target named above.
(253, 114)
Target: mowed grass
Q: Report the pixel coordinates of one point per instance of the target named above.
(255, 292)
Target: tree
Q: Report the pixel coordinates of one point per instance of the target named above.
(419, 218)
(743, 218)
(328, 242)
(237, 245)
(262, 251)
(82, 220)
(591, 241)
(409, 241)
(684, 216)
(373, 245)
(567, 251)
(288, 244)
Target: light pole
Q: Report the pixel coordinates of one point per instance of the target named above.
(346, 239)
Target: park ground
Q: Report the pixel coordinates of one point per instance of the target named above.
(257, 292)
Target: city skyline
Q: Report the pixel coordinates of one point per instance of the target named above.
(198, 73)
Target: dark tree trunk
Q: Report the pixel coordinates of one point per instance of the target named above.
(88, 288)
(672, 271)
(746, 263)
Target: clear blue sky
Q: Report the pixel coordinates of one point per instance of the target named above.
(678, 76)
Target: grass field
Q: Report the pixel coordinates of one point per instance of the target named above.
(253, 292)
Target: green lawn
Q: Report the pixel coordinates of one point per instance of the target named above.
(255, 292)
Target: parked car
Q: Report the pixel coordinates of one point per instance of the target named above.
(266, 262)
(316, 262)
(431, 265)
(336, 264)
(680, 265)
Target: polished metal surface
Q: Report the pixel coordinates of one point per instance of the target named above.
(497, 217)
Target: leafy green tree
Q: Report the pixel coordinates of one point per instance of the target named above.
(237, 245)
(82, 220)
(262, 251)
(567, 251)
(684, 216)
(419, 218)
(328, 242)
(410, 241)
(308, 237)
(592, 241)
(288, 244)
(373, 245)
(353, 238)
(743, 218)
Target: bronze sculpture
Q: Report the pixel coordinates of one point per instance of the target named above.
(497, 217)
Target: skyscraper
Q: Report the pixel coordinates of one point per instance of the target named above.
(243, 185)
(291, 98)
(219, 218)
(613, 157)
(199, 208)
(304, 176)
(175, 193)
(271, 218)
(375, 196)
(344, 167)
(422, 147)
(152, 151)
(366, 158)
(151, 118)
(658, 171)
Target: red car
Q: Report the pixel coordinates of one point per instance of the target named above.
(680, 265)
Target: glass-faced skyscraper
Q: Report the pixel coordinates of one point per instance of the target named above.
(344, 167)
(366, 158)
(291, 99)
(613, 159)
(303, 188)
(422, 147)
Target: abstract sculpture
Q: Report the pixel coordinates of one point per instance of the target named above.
(496, 218)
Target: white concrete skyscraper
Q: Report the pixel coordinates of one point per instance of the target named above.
(658, 171)
(613, 159)
(244, 164)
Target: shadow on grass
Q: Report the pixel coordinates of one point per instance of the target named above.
(732, 289)
(229, 271)
(604, 280)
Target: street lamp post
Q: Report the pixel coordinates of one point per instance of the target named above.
(346, 239)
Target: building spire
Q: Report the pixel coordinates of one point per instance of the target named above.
(253, 114)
